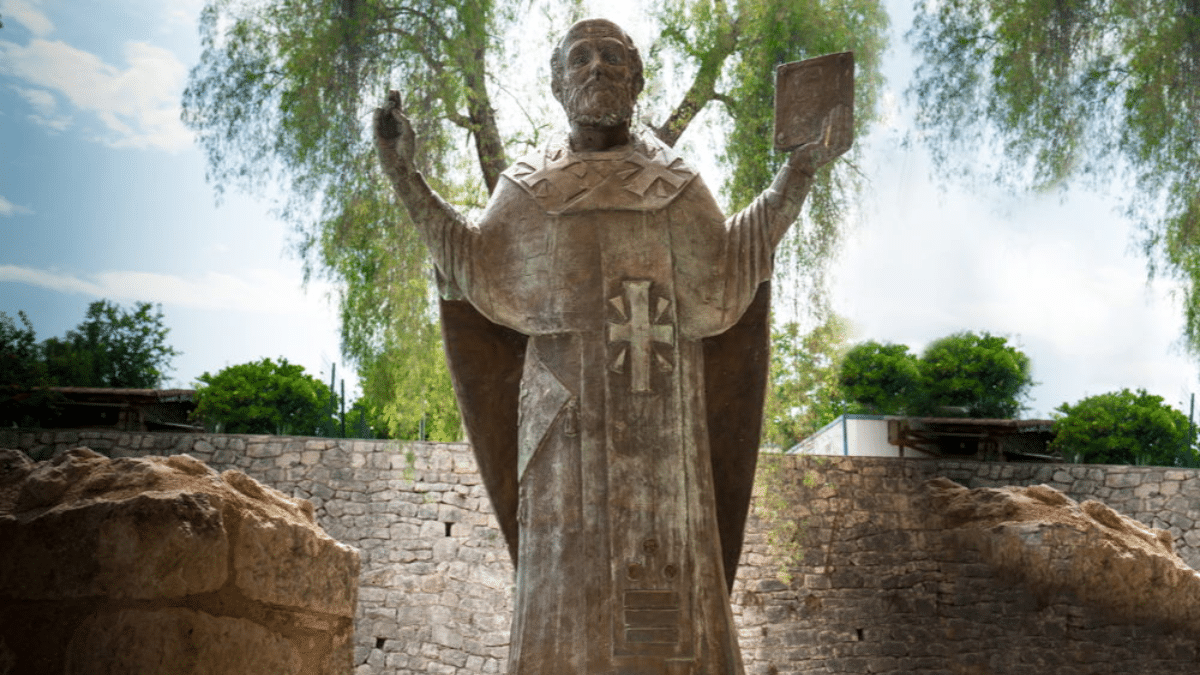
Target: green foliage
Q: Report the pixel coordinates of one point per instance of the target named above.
(112, 347)
(978, 376)
(264, 397)
(24, 398)
(805, 393)
(363, 420)
(1123, 428)
(1075, 90)
(982, 373)
(416, 391)
(885, 379)
(774, 500)
(282, 92)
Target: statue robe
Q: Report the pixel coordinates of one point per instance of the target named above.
(616, 265)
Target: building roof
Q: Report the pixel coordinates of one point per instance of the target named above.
(960, 436)
(110, 393)
(125, 409)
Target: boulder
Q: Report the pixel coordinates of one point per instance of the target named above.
(107, 565)
(1089, 551)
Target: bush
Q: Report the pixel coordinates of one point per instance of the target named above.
(264, 397)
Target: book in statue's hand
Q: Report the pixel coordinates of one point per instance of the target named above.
(806, 93)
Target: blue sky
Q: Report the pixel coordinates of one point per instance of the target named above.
(102, 195)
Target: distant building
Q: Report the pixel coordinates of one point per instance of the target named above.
(123, 409)
(894, 436)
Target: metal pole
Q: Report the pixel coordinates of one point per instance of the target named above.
(332, 400)
(343, 409)
(1191, 429)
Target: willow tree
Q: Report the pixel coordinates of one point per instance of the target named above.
(1075, 91)
(806, 390)
(284, 88)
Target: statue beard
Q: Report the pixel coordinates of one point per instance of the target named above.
(599, 104)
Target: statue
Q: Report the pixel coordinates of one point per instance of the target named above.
(606, 328)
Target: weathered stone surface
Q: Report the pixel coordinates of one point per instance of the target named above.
(177, 641)
(950, 607)
(1088, 550)
(130, 559)
(940, 579)
(319, 576)
(69, 532)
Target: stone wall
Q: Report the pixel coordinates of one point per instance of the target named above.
(883, 582)
(847, 567)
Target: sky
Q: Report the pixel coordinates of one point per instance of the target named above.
(103, 196)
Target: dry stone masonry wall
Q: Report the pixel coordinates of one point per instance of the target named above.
(892, 580)
(851, 564)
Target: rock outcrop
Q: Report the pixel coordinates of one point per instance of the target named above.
(159, 564)
(1057, 545)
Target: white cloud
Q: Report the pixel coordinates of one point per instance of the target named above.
(8, 208)
(258, 291)
(183, 13)
(29, 16)
(41, 100)
(45, 108)
(138, 104)
(46, 279)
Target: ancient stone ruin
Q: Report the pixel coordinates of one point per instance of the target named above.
(890, 566)
(1056, 546)
(162, 565)
(851, 564)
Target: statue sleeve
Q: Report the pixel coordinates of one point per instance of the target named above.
(753, 233)
(750, 251)
(452, 240)
(449, 236)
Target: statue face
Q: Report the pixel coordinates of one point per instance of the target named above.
(598, 81)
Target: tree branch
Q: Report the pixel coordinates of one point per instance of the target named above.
(703, 87)
(489, 147)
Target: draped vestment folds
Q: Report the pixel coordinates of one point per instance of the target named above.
(616, 265)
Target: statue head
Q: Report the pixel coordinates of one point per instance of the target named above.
(596, 73)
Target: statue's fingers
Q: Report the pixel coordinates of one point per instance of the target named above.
(842, 128)
(403, 125)
(385, 125)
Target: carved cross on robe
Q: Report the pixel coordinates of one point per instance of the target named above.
(649, 174)
(640, 331)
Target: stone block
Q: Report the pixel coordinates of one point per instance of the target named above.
(65, 543)
(177, 641)
(287, 459)
(123, 565)
(1123, 479)
(320, 574)
(445, 548)
(449, 514)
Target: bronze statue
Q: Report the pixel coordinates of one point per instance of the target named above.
(606, 328)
